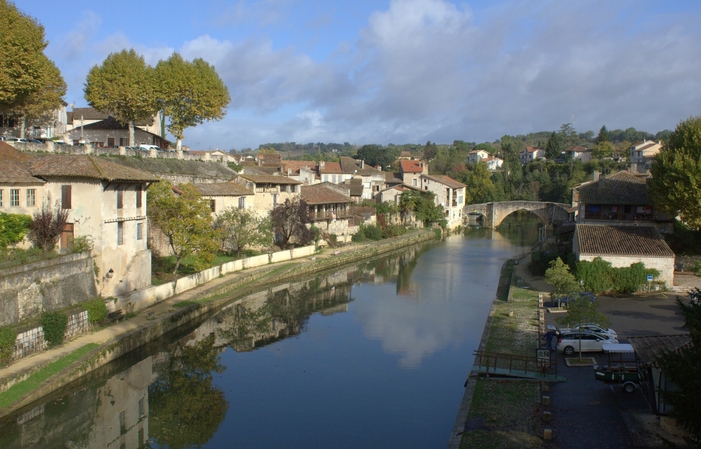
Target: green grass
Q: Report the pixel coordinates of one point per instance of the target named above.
(162, 267)
(17, 391)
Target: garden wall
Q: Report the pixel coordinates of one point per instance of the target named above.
(28, 290)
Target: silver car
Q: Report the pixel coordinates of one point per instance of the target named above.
(569, 342)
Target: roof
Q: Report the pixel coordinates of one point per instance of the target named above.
(319, 194)
(330, 168)
(270, 179)
(12, 172)
(222, 189)
(648, 348)
(269, 160)
(296, 166)
(621, 241)
(94, 114)
(447, 180)
(353, 166)
(621, 188)
(411, 166)
(577, 149)
(528, 149)
(10, 153)
(355, 186)
(87, 167)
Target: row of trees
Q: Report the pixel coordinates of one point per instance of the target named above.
(186, 92)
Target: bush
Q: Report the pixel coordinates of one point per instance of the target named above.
(7, 345)
(631, 279)
(371, 232)
(393, 231)
(54, 324)
(597, 275)
(97, 311)
(358, 237)
(13, 228)
(82, 244)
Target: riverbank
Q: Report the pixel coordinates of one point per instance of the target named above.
(149, 324)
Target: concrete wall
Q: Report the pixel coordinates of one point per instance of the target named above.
(29, 290)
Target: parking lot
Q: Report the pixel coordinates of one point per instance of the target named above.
(587, 413)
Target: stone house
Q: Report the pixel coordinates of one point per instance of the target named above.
(107, 204)
(269, 190)
(620, 198)
(449, 193)
(329, 207)
(303, 171)
(529, 154)
(410, 172)
(347, 168)
(110, 133)
(86, 116)
(623, 246)
(226, 195)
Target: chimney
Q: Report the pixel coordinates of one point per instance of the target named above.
(322, 165)
(362, 164)
(596, 175)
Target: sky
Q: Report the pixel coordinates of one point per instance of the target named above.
(402, 71)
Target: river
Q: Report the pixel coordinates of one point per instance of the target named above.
(373, 356)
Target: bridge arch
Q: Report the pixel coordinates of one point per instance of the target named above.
(495, 213)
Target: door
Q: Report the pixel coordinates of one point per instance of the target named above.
(67, 236)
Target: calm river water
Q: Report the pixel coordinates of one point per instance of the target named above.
(370, 356)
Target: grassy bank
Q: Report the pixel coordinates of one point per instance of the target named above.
(504, 413)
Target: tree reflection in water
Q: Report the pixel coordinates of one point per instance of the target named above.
(185, 409)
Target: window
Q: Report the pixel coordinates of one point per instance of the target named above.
(120, 233)
(242, 202)
(213, 205)
(66, 197)
(120, 198)
(139, 231)
(274, 199)
(123, 141)
(0, 197)
(333, 178)
(14, 197)
(141, 407)
(110, 141)
(31, 197)
(415, 182)
(139, 191)
(122, 422)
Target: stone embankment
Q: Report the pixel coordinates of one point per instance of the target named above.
(121, 338)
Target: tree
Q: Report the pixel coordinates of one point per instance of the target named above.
(682, 368)
(603, 135)
(189, 93)
(430, 151)
(422, 205)
(123, 86)
(30, 83)
(241, 228)
(46, 227)
(559, 276)
(376, 155)
(186, 221)
(604, 149)
(675, 186)
(13, 228)
(479, 186)
(290, 223)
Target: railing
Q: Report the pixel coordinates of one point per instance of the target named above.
(329, 215)
(503, 364)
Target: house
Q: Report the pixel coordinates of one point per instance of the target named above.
(623, 246)
(393, 194)
(52, 125)
(578, 153)
(620, 198)
(529, 154)
(493, 163)
(329, 207)
(106, 203)
(303, 171)
(86, 116)
(226, 195)
(475, 156)
(109, 133)
(411, 171)
(348, 168)
(269, 190)
(449, 193)
(642, 155)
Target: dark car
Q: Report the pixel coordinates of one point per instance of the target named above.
(562, 301)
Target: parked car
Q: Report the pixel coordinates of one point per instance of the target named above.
(569, 342)
(562, 301)
(149, 147)
(598, 329)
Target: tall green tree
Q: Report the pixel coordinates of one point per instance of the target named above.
(30, 83)
(603, 135)
(478, 182)
(675, 186)
(186, 221)
(377, 155)
(124, 87)
(558, 275)
(189, 93)
(430, 151)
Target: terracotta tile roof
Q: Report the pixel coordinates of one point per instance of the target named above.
(621, 188)
(16, 173)
(355, 186)
(330, 168)
(80, 166)
(10, 153)
(621, 241)
(447, 180)
(269, 160)
(319, 194)
(577, 149)
(270, 179)
(353, 166)
(73, 117)
(222, 189)
(531, 149)
(295, 166)
(411, 166)
(649, 347)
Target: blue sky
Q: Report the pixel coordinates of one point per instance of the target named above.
(402, 71)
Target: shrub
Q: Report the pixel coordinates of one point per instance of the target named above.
(82, 244)
(13, 228)
(393, 231)
(371, 232)
(629, 279)
(97, 311)
(54, 324)
(358, 237)
(7, 345)
(697, 268)
(597, 275)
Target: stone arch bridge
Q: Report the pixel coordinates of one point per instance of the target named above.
(495, 213)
